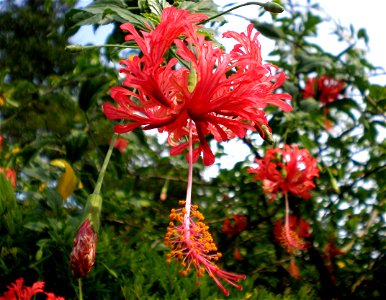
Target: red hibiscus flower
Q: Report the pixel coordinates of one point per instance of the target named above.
(287, 170)
(222, 94)
(10, 174)
(235, 225)
(299, 229)
(120, 144)
(17, 291)
(324, 88)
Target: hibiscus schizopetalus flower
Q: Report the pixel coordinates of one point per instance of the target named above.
(83, 253)
(121, 144)
(223, 94)
(234, 225)
(288, 170)
(291, 238)
(192, 244)
(17, 291)
(324, 88)
(10, 175)
(299, 229)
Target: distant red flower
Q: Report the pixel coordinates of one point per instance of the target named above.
(121, 144)
(293, 269)
(83, 254)
(1, 141)
(237, 255)
(10, 174)
(288, 170)
(299, 229)
(235, 225)
(330, 251)
(192, 244)
(324, 88)
(17, 291)
(166, 95)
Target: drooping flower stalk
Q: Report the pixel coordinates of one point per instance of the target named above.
(291, 238)
(83, 254)
(190, 241)
(188, 200)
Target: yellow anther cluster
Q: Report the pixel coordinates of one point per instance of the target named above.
(199, 250)
(292, 241)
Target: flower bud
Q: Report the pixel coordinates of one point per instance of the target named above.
(273, 7)
(267, 134)
(83, 254)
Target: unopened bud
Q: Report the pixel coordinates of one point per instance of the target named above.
(273, 7)
(83, 254)
(74, 48)
(267, 134)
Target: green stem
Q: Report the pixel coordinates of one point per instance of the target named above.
(80, 289)
(102, 172)
(233, 8)
(107, 45)
(79, 48)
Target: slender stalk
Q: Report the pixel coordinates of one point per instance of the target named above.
(188, 200)
(287, 225)
(231, 9)
(80, 288)
(102, 172)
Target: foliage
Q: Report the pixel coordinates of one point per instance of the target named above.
(51, 112)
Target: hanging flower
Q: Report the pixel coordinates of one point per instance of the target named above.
(223, 94)
(288, 170)
(324, 88)
(10, 175)
(83, 254)
(192, 244)
(330, 251)
(235, 225)
(17, 291)
(299, 229)
(290, 235)
(121, 144)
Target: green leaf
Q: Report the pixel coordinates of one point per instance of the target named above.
(310, 63)
(157, 6)
(102, 12)
(362, 34)
(269, 31)
(37, 226)
(377, 91)
(9, 216)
